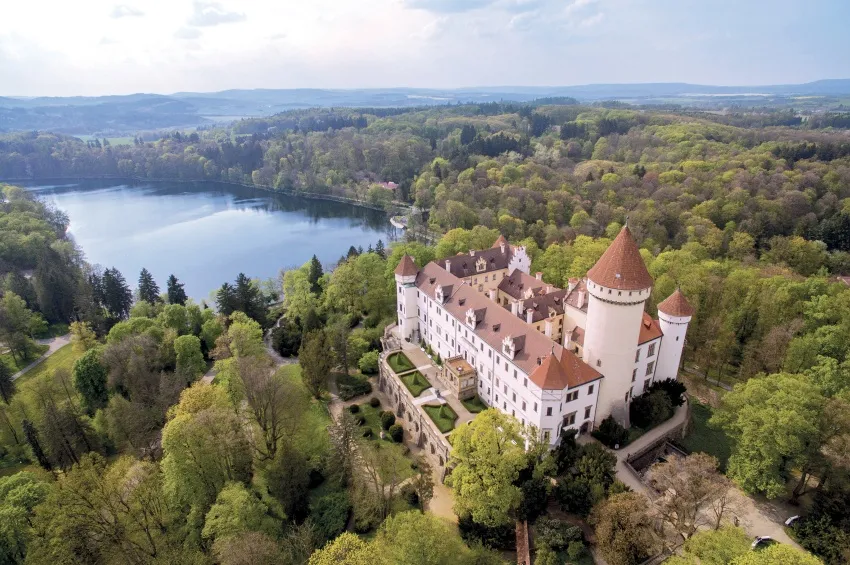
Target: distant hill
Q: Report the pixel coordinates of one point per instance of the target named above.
(122, 115)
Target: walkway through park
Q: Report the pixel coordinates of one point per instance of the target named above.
(53, 344)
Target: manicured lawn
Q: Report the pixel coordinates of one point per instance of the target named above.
(63, 358)
(474, 405)
(21, 363)
(373, 422)
(399, 362)
(313, 434)
(442, 415)
(702, 437)
(416, 383)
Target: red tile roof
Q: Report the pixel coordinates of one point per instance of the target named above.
(568, 371)
(621, 267)
(406, 267)
(499, 241)
(676, 305)
(649, 329)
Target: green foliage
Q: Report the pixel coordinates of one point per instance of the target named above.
(19, 495)
(286, 338)
(315, 362)
(237, 510)
(624, 530)
(352, 386)
(190, 360)
(443, 416)
(330, 515)
(416, 383)
(396, 433)
(556, 533)
(90, 380)
(650, 409)
(488, 454)
(773, 421)
(611, 433)
(368, 363)
(176, 294)
(387, 419)
(148, 289)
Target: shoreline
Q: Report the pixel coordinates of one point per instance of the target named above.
(287, 192)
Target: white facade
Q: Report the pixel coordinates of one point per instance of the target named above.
(674, 328)
(406, 305)
(614, 318)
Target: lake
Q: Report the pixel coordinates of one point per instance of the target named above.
(207, 233)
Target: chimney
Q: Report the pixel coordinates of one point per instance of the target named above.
(581, 294)
(548, 329)
(539, 361)
(548, 289)
(448, 265)
(572, 284)
(472, 253)
(502, 247)
(538, 275)
(568, 337)
(528, 315)
(515, 307)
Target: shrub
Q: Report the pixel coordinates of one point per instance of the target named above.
(374, 402)
(650, 409)
(611, 433)
(387, 419)
(286, 338)
(575, 550)
(361, 420)
(409, 494)
(351, 386)
(674, 389)
(557, 534)
(499, 537)
(397, 433)
(329, 515)
(368, 363)
(367, 433)
(354, 408)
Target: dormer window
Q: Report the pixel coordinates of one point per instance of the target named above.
(481, 264)
(508, 347)
(471, 319)
(438, 293)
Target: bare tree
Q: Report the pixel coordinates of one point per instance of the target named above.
(344, 433)
(693, 493)
(381, 471)
(276, 404)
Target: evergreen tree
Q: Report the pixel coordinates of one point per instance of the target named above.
(148, 289)
(117, 296)
(380, 250)
(225, 299)
(314, 273)
(352, 252)
(249, 299)
(31, 433)
(7, 385)
(176, 294)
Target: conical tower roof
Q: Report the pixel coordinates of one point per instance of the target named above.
(406, 267)
(621, 266)
(676, 305)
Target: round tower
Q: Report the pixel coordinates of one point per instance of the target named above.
(618, 287)
(674, 315)
(406, 307)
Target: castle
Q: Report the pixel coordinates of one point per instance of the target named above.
(550, 357)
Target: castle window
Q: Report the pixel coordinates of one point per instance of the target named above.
(587, 412)
(650, 367)
(627, 397)
(525, 383)
(549, 411)
(535, 407)
(590, 389)
(634, 374)
(677, 338)
(599, 362)
(637, 355)
(570, 419)
(651, 350)
(513, 396)
(646, 385)
(523, 404)
(546, 435)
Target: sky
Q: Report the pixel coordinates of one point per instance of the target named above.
(97, 47)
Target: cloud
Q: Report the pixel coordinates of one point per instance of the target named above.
(577, 5)
(448, 6)
(431, 29)
(277, 36)
(107, 41)
(523, 21)
(592, 20)
(208, 14)
(124, 11)
(187, 33)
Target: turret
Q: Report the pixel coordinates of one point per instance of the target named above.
(618, 287)
(674, 315)
(406, 307)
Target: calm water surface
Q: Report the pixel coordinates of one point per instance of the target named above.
(207, 233)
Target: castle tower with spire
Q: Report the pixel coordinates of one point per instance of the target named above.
(674, 315)
(406, 307)
(618, 287)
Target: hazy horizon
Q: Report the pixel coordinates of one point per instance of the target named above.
(114, 47)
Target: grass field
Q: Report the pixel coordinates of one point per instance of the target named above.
(400, 363)
(702, 437)
(313, 435)
(63, 358)
(373, 422)
(21, 363)
(416, 383)
(474, 405)
(443, 416)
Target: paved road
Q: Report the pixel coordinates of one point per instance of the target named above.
(53, 345)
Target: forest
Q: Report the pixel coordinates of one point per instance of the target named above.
(749, 218)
